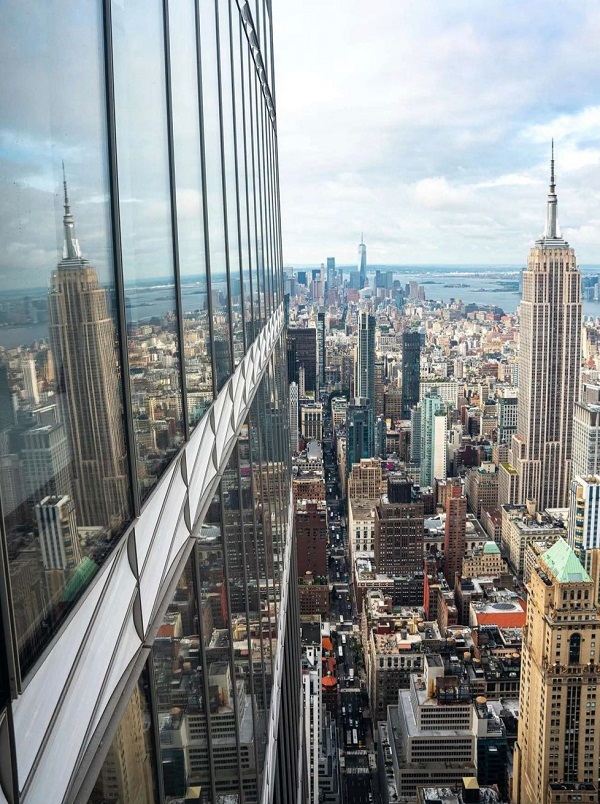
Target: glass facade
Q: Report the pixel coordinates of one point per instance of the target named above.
(140, 258)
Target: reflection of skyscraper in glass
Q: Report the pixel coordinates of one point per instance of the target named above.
(83, 343)
(57, 527)
(362, 262)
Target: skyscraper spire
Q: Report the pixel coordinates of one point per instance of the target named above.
(552, 231)
(71, 248)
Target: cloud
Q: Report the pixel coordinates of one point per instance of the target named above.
(428, 126)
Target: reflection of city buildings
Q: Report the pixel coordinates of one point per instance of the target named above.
(82, 335)
(150, 629)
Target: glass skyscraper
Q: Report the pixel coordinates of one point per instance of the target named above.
(150, 643)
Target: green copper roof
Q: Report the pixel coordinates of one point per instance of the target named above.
(490, 549)
(564, 564)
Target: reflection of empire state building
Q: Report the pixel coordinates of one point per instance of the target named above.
(83, 342)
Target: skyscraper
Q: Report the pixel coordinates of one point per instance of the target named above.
(433, 438)
(586, 433)
(362, 262)
(321, 353)
(454, 533)
(364, 385)
(558, 745)
(549, 366)
(82, 335)
(303, 349)
(149, 638)
(411, 371)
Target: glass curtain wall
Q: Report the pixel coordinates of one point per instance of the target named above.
(64, 469)
(139, 259)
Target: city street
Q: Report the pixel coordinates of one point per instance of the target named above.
(358, 759)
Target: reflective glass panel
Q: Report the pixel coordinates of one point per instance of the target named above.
(231, 182)
(239, 42)
(214, 190)
(64, 474)
(253, 197)
(190, 213)
(128, 772)
(146, 235)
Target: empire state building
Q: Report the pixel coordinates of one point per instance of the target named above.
(82, 336)
(549, 367)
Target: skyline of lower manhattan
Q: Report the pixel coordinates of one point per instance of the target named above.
(273, 531)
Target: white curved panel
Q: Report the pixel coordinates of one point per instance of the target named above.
(127, 649)
(74, 716)
(177, 542)
(144, 527)
(34, 709)
(156, 565)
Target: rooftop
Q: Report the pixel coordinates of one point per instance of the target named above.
(564, 564)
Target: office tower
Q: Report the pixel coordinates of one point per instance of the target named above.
(362, 263)
(586, 433)
(455, 532)
(360, 441)
(311, 422)
(507, 418)
(331, 275)
(411, 371)
(549, 362)
(57, 528)
(294, 417)
(379, 442)
(430, 732)
(150, 646)
(379, 387)
(399, 540)
(302, 278)
(310, 521)
(30, 383)
(584, 517)
(46, 462)
(416, 420)
(481, 487)
(321, 354)
(558, 745)
(433, 438)
(364, 384)
(304, 343)
(82, 335)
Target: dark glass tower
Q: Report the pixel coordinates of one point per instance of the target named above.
(411, 371)
(149, 640)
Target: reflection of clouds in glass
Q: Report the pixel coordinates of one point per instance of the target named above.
(66, 121)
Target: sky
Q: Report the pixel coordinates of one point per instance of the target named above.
(426, 124)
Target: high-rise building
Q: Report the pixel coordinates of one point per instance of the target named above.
(433, 438)
(364, 384)
(360, 439)
(321, 353)
(454, 533)
(399, 539)
(294, 417)
(584, 517)
(558, 745)
(549, 366)
(362, 263)
(57, 528)
(149, 637)
(311, 422)
(304, 350)
(411, 371)
(507, 418)
(586, 433)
